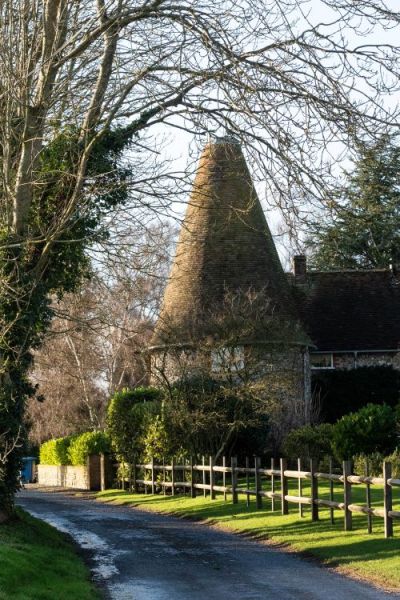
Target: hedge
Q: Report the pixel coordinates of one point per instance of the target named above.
(91, 442)
(74, 449)
(55, 452)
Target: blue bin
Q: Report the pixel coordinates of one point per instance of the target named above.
(28, 469)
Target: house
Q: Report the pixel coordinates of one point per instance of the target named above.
(229, 306)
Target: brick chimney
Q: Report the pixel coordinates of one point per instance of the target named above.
(300, 268)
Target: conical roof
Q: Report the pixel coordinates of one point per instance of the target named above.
(225, 247)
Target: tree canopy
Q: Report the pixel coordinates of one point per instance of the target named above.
(363, 229)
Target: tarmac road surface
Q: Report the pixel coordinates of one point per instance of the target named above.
(138, 555)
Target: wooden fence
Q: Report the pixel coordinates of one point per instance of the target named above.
(212, 478)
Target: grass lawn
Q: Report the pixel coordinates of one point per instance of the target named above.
(370, 557)
(37, 562)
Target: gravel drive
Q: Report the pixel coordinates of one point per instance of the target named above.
(139, 555)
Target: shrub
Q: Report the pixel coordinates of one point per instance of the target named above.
(55, 452)
(90, 442)
(394, 458)
(375, 462)
(371, 429)
(127, 416)
(310, 441)
(156, 442)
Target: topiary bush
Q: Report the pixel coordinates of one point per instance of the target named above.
(371, 429)
(55, 452)
(85, 444)
(310, 441)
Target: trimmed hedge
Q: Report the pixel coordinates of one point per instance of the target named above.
(91, 442)
(55, 452)
(74, 449)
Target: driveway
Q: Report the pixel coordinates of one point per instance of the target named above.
(138, 555)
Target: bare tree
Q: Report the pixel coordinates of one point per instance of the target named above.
(96, 341)
(269, 72)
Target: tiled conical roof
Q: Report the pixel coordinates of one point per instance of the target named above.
(225, 246)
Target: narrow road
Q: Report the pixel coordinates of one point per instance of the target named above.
(145, 556)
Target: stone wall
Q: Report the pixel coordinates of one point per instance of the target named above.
(82, 477)
(64, 476)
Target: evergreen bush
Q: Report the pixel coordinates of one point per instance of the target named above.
(371, 429)
(128, 414)
(55, 452)
(90, 442)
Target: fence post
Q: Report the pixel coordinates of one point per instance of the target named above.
(234, 480)
(314, 491)
(129, 478)
(368, 496)
(102, 472)
(164, 476)
(133, 474)
(284, 488)
(272, 484)
(192, 488)
(247, 481)
(348, 525)
(204, 478)
(331, 497)
(153, 487)
(300, 487)
(173, 477)
(257, 466)
(387, 498)
(224, 476)
(212, 493)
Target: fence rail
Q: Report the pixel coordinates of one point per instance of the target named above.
(206, 477)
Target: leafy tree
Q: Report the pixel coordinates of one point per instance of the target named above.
(371, 429)
(363, 230)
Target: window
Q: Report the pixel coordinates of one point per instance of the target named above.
(321, 361)
(227, 359)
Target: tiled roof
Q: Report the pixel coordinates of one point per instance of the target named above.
(225, 246)
(350, 310)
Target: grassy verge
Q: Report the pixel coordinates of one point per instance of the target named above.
(370, 557)
(37, 562)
